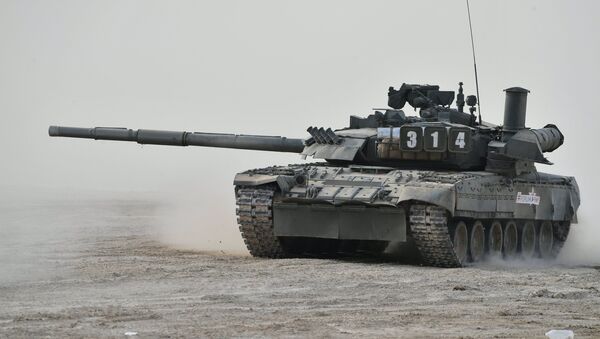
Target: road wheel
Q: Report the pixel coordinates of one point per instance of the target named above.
(546, 239)
(477, 241)
(511, 237)
(528, 240)
(460, 241)
(495, 239)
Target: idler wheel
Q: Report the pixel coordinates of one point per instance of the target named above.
(477, 241)
(460, 241)
(546, 240)
(528, 240)
(495, 239)
(511, 238)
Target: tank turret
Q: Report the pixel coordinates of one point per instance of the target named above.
(441, 137)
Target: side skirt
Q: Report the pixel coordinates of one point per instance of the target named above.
(349, 222)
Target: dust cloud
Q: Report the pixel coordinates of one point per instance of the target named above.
(201, 225)
(582, 247)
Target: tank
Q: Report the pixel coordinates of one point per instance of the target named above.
(444, 184)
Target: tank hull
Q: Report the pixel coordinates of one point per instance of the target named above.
(451, 216)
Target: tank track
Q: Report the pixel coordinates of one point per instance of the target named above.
(560, 237)
(255, 219)
(429, 228)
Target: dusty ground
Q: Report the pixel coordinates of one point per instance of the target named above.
(95, 269)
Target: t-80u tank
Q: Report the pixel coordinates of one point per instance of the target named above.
(455, 187)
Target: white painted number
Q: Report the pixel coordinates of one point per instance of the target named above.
(460, 140)
(434, 136)
(412, 139)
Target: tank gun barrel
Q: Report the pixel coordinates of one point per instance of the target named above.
(178, 138)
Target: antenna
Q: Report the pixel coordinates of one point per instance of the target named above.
(474, 62)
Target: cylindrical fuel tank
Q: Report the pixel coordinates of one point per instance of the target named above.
(515, 108)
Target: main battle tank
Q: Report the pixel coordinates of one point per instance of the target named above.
(451, 186)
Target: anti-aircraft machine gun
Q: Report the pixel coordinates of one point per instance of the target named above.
(457, 188)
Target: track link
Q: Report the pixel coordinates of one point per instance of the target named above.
(429, 228)
(561, 232)
(255, 218)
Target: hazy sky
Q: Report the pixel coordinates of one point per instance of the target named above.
(269, 67)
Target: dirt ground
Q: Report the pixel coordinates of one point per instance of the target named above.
(94, 268)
